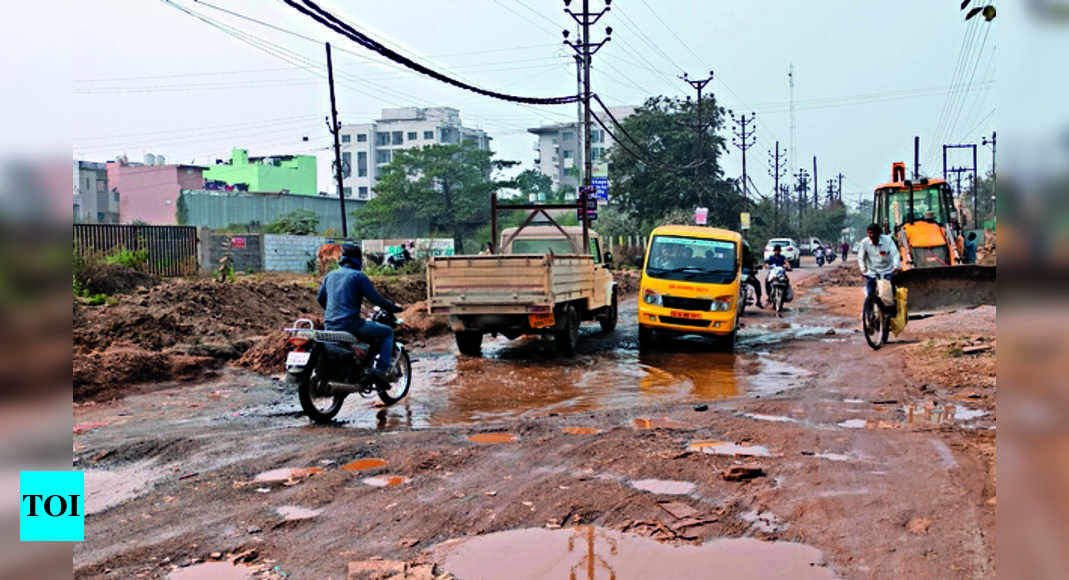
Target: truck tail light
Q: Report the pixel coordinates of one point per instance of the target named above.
(539, 308)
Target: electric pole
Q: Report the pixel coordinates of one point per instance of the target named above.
(816, 184)
(802, 187)
(958, 170)
(992, 142)
(700, 128)
(916, 158)
(839, 196)
(744, 139)
(777, 171)
(586, 49)
(335, 129)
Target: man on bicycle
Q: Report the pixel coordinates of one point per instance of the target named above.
(341, 295)
(877, 256)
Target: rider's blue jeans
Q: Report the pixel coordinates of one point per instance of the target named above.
(375, 333)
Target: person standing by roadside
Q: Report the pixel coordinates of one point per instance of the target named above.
(970, 249)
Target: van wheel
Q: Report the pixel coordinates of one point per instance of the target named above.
(568, 337)
(645, 337)
(469, 342)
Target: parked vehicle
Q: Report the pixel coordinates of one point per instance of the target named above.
(788, 248)
(329, 365)
(690, 283)
(540, 283)
(779, 289)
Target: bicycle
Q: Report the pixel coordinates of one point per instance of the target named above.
(877, 311)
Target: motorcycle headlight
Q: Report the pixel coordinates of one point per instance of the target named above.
(651, 297)
(721, 304)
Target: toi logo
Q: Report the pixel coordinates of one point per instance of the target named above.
(51, 506)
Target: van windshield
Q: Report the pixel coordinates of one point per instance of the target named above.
(692, 259)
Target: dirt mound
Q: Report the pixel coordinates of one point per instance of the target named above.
(101, 375)
(403, 290)
(627, 281)
(267, 355)
(112, 279)
(843, 275)
(420, 324)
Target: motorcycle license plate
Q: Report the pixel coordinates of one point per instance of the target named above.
(682, 314)
(540, 320)
(297, 359)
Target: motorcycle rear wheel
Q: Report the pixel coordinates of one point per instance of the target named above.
(319, 408)
(400, 378)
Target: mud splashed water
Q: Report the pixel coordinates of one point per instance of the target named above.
(664, 486)
(599, 553)
(211, 571)
(386, 481)
(492, 438)
(725, 448)
(364, 464)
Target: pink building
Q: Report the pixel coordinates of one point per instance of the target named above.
(150, 192)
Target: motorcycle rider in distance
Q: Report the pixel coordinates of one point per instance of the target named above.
(877, 256)
(776, 259)
(818, 253)
(341, 294)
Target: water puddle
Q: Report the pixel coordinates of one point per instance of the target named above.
(288, 474)
(853, 424)
(386, 481)
(854, 401)
(589, 552)
(834, 456)
(726, 448)
(773, 418)
(212, 571)
(580, 430)
(292, 512)
(492, 438)
(364, 464)
(644, 424)
(105, 489)
(664, 486)
(939, 414)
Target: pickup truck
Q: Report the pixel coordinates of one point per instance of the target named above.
(539, 284)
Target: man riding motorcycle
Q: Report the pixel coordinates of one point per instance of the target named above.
(341, 294)
(776, 259)
(877, 257)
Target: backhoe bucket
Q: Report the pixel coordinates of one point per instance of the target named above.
(947, 287)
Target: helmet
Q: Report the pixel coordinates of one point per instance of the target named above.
(349, 250)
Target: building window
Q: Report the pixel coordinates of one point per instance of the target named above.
(345, 138)
(412, 135)
(100, 185)
(77, 211)
(347, 191)
(100, 216)
(361, 164)
(361, 137)
(346, 164)
(362, 192)
(382, 138)
(398, 138)
(382, 156)
(567, 153)
(428, 135)
(595, 153)
(566, 136)
(115, 195)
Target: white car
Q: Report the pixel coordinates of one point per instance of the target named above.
(788, 248)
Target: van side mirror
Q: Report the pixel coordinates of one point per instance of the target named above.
(607, 258)
(638, 261)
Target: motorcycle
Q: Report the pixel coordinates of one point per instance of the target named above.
(820, 259)
(780, 290)
(746, 293)
(329, 365)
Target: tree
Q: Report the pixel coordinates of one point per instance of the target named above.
(652, 188)
(534, 183)
(299, 222)
(448, 185)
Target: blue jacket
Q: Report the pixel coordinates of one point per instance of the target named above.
(774, 260)
(342, 292)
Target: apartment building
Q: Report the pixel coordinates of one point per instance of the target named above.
(94, 201)
(367, 147)
(559, 150)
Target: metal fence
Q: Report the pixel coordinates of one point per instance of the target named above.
(172, 250)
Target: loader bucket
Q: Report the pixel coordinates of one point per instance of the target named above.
(947, 287)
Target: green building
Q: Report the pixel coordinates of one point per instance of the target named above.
(293, 173)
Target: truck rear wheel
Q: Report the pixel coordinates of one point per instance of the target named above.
(568, 337)
(469, 342)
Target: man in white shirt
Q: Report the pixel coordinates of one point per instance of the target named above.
(877, 257)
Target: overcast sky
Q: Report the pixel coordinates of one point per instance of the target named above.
(868, 75)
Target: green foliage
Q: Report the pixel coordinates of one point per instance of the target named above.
(447, 185)
(534, 183)
(139, 223)
(136, 259)
(181, 210)
(664, 126)
(299, 222)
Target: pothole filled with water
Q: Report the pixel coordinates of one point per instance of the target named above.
(492, 438)
(589, 552)
(293, 512)
(664, 486)
(211, 571)
(364, 464)
(386, 481)
(288, 473)
(727, 448)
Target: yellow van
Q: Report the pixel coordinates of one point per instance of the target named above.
(690, 283)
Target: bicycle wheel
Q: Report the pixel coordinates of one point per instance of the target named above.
(873, 323)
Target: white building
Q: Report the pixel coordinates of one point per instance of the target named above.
(367, 147)
(559, 151)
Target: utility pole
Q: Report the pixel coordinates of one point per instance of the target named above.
(992, 142)
(816, 184)
(700, 128)
(840, 191)
(776, 172)
(335, 129)
(790, 82)
(579, 106)
(586, 49)
(971, 146)
(802, 187)
(830, 193)
(916, 158)
(744, 139)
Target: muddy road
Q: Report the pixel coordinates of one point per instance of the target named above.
(803, 454)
